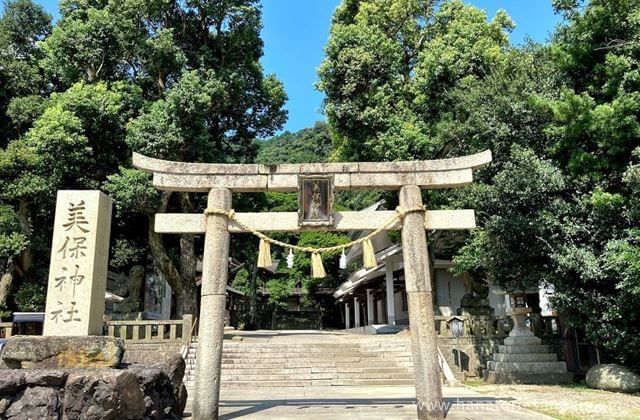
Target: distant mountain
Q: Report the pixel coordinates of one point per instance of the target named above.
(307, 145)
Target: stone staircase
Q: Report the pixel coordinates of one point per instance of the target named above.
(370, 361)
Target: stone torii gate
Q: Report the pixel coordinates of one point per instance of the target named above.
(220, 180)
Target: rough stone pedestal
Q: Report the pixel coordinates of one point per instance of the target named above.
(37, 352)
(523, 359)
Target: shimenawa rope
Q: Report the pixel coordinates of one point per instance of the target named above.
(264, 255)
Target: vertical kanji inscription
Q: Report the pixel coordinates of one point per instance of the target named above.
(78, 270)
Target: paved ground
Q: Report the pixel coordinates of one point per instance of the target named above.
(374, 402)
(568, 402)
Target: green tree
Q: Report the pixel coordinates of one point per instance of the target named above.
(596, 136)
(559, 204)
(75, 143)
(209, 108)
(170, 80)
(389, 67)
(22, 84)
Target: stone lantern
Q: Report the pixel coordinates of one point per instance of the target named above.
(519, 312)
(523, 359)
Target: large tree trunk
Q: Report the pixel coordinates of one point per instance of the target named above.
(188, 263)
(6, 280)
(184, 291)
(253, 299)
(24, 218)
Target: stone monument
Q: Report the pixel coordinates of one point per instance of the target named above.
(78, 270)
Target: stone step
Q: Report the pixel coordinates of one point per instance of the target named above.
(372, 362)
(383, 382)
(525, 357)
(328, 346)
(292, 371)
(493, 377)
(527, 367)
(522, 341)
(314, 376)
(314, 351)
(319, 382)
(310, 363)
(538, 348)
(260, 384)
(297, 355)
(275, 378)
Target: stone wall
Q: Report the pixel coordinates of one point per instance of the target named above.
(137, 392)
(474, 353)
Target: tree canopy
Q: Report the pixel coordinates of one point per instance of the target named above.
(170, 80)
(558, 205)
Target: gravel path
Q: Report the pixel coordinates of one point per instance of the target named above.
(564, 402)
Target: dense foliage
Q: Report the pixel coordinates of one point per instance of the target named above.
(170, 80)
(559, 204)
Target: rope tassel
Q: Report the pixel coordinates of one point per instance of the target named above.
(264, 254)
(368, 254)
(317, 269)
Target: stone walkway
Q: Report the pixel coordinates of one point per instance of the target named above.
(374, 402)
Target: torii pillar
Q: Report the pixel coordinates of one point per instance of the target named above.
(215, 263)
(424, 347)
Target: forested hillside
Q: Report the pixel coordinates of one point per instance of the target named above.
(307, 145)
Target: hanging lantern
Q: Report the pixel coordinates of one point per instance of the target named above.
(343, 261)
(290, 259)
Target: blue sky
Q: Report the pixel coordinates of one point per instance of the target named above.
(295, 32)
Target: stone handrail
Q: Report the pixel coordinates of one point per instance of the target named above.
(496, 326)
(151, 331)
(6, 329)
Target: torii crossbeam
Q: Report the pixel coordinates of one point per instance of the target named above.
(220, 180)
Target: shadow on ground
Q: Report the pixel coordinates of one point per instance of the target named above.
(250, 407)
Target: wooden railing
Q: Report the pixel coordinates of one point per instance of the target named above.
(153, 331)
(6, 329)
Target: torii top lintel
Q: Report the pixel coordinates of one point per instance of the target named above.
(201, 177)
